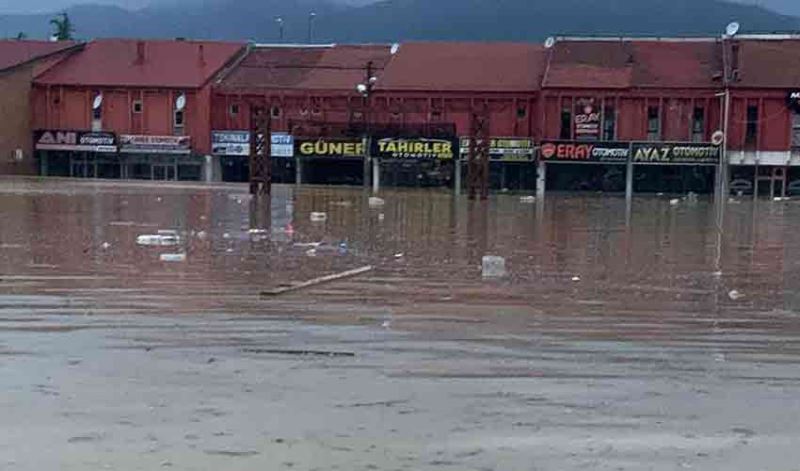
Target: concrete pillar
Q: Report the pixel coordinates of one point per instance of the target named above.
(629, 180)
(298, 170)
(367, 171)
(376, 175)
(212, 169)
(44, 170)
(457, 177)
(541, 178)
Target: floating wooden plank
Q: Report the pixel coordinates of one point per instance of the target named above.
(317, 281)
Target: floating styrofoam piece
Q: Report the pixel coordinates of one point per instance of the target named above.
(735, 295)
(527, 199)
(493, 266)
(375, 202)
(319, 217)
(172, 257)
(168, 239)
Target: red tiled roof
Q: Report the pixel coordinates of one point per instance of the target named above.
(769, 63)
(465, 66)
(307, 68)
(13, 52)
(116, 62)
(634, 63)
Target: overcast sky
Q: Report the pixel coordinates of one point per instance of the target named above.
(38, 6)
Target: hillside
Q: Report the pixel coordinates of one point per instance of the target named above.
(393, 20)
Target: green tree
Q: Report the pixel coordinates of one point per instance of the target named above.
(63, 27)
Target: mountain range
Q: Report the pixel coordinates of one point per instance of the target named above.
(396, 20)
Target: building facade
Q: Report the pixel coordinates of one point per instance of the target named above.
(129, 109)
(20, 62)
(599, 114)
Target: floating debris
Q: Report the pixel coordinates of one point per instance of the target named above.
(493, 266)
(318, 281)
(172, 257)
(576, 278)
(375, 202)
(735, 295)
(162, 239)
(319, 217)
(527, 199)
(674, 202)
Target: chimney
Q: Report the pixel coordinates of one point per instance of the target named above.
(139, 52)
(201, 56)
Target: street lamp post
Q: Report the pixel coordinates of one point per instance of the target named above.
(279, 20)
(311, 17)
(365, 90)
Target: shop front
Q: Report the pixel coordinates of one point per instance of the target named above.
(232, 149)
(414, 162)
(79, 154)
(655, 167)
(512, 163)
(670, 167)
(584, 165)
(329, 161)
(159, 158)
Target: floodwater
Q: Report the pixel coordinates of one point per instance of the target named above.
(656, 336)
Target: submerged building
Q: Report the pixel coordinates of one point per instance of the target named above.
(595, 114)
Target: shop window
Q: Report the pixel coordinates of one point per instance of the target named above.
(698, 125)
(796, 131)
(653, 123)
(234, 110)
(522, 112)
(275, 112)
(566, 124)
(436, 115)
(609, 123)
(751, 131)
(137, 106)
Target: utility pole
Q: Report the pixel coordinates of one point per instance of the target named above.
(260, 151)
(478, 163)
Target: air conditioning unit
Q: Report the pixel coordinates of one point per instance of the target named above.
(18, 155)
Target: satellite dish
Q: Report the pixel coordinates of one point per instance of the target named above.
(732, 29)
(395, 48)
(549, 42)
(98, 101)
(180, 102)
(717, 138)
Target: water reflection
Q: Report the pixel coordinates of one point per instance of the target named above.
(579, 265)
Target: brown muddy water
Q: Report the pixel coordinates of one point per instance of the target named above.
(639, 337)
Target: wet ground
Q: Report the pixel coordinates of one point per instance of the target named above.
(622, 338)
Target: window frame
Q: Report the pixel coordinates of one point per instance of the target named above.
(653, 132)
(698, 134)
(751, 125)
